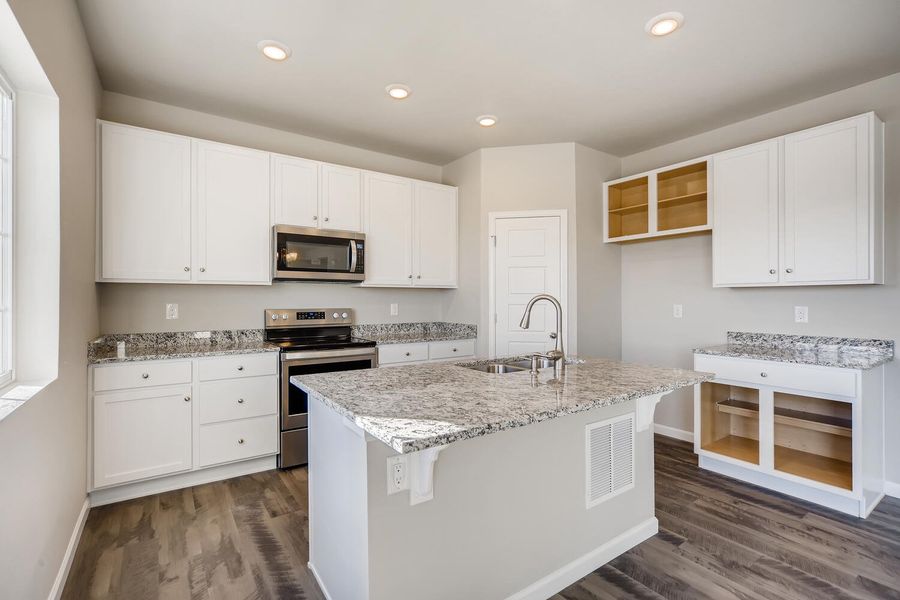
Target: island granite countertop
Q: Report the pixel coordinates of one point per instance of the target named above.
(414, 407)
(844, 353)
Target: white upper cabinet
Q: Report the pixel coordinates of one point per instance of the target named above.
(829, 203)
(145, 205)
(745, 222)
(388, 223)
(828, 187)
(435, 238)
(341, 206)
(233, 232)
(295, 189)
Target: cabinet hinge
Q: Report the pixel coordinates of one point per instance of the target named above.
(494, 240)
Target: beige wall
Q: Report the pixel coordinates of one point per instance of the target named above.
(141, 307)
(43, 443)
(657, 274)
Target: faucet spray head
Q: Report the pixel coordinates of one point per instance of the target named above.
(526, 320)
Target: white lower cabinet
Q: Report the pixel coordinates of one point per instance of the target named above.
(223, 410)
(420, 352)
(812, 432)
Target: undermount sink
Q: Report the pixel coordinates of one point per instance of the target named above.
(497, 368)
(543, 363)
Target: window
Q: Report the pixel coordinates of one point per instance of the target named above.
(6, 222)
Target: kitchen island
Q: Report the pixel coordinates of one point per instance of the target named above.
(444, 481)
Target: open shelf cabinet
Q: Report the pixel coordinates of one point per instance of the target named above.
(732, 433)
(664, 202)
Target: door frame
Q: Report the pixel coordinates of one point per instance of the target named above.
(493, 217)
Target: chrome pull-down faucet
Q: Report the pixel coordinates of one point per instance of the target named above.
(558, 354)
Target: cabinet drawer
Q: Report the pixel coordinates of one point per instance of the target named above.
(230, 399)
(402, 353)
(239, 365)
(238, 440)
(810, 378)
(451, 349)
(141, 374)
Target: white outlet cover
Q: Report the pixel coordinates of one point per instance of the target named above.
(392, 462)
(801, 314)
(171, 311)
(395, 309)
(678, 310)
(202, 335)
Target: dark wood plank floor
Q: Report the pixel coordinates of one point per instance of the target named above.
(719, 539)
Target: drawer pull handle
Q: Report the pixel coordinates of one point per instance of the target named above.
(145, 375)
(407, 353)
(763, 374)
(241, 441)
(240, 400)
(240, 367)
(187, 398)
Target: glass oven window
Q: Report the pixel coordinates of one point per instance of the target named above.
(301, 253)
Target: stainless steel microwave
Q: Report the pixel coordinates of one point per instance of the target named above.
(310, 254)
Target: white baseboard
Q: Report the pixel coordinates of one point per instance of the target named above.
(324, 590)
(566, 575)
(180, 480)
(892, 489)
(678, 434)
(60, 582)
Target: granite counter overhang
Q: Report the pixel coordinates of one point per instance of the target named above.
(415, 407)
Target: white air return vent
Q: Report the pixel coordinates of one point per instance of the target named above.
(610, 458)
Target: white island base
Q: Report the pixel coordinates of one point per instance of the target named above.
(508, 517)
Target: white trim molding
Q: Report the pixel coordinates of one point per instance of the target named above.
(673, 432)
(60, 582)
(892, 489)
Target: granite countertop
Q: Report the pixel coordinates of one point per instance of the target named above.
(409, 333)
(160, 346)
(844, 353)
(414, 407)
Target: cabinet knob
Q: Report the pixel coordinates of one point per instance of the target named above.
(187, 268)
(409, 276)
(187, 398)
(240, 400)
(454, 349)
(145, 375)
(407, 353)
(788, 270)
(203, 269)
(771, 271)
(315, 217)
(418, 277)
(326, 219)
(241, 441)
(240, 367)
(763, 374)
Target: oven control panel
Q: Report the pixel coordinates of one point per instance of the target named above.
(308, 317)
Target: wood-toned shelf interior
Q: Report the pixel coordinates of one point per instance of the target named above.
(741, 448)
(681, 197)
(732, 432)
(798, 418)
(824, 469)
(629, 210)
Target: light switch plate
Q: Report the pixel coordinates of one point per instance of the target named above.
(801, 314)
(678, 310)
(171, 311)
(395, 309)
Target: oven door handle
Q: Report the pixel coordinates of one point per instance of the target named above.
(345, 353)
(353, 256)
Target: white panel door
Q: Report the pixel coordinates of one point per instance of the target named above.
(388, 228)
(826, 203)
(435, 240)
(233, 236)
(145, 204)
(526, 263)
(141, 433)
(341, 198)
(295, 190)
(745, 230)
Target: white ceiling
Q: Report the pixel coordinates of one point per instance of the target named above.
(551, 70)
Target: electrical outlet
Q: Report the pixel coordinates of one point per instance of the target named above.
(202, 335)
(397, 474)
(678, 310)
(801, 314)
(395, 309)
(171, 311)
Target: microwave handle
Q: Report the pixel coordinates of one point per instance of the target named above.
(353, 256)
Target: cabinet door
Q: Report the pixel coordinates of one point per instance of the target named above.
(745, 216)
(295, 191)
(141, 433)
(827, 203)
(145, 205)
(435, 238)
(388, 229)
(341, 198)
(233, 232)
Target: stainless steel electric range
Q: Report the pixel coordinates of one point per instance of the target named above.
(312, 340)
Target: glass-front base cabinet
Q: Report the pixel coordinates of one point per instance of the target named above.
(813, 432)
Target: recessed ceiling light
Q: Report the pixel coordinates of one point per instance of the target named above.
(274, 50)
(398, 91)
(664, 24)
(487, 120)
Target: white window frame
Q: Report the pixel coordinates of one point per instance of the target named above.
(7, 114)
